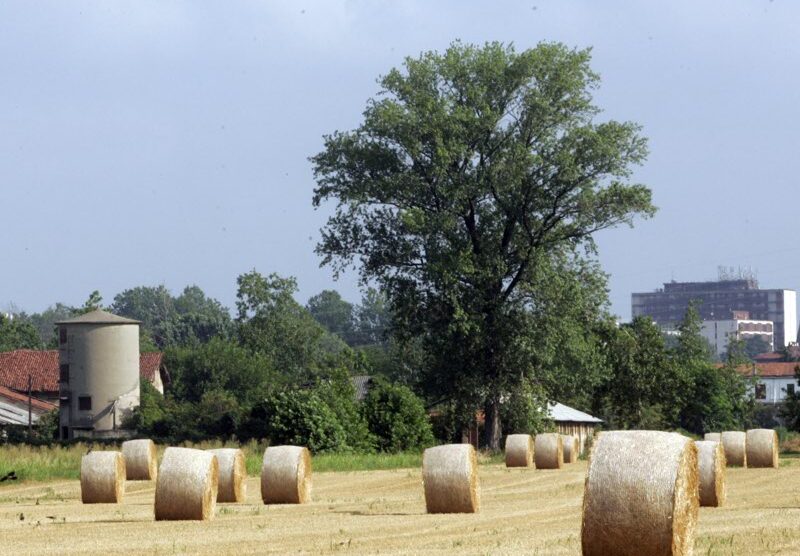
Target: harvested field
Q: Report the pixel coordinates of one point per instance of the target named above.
(523, 511)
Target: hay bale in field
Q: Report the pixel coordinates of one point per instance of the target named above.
(572, 448)
(141, 459)
(735, 445)
(286, 475)
(232, 474)
(102, 478)
(450, 478)
(187, 485)
(762, 448)
(713, 436)
(641, 495)
(548, 450)
(519, 450)
(711, 467)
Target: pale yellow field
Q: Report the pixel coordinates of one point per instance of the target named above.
(382, 512)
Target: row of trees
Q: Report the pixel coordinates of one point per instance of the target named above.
(468, 198)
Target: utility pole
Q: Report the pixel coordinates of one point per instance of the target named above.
(30, 410)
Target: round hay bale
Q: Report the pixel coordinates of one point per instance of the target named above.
(735, 445)
(286, 475)
(572, 448)
(141, 459)
(548, 451)
(232, 474)
(187, 485)
(762, 448)
(711, 467)
(519, 450)
(641, 495)
(450, 478)
(102, 478)
(714, 436)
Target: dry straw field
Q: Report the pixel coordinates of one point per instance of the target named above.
(383, 512)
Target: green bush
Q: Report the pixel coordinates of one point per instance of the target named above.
(397, 417)
(299, 417)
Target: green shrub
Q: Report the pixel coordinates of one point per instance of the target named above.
(397, 417)
(299, 417)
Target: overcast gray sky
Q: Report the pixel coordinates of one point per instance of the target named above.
(167, 142)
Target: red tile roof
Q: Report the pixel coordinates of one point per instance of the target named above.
(778, 369)
(36, 403)
(42, 366)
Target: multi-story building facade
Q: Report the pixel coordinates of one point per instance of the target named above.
(719, 332)
(718, 301)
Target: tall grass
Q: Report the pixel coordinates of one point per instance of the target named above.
(47, 463)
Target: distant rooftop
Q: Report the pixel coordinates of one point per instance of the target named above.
(561, 412)
(716, 285)
(99, 317)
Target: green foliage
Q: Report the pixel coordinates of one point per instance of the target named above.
(190, 319)
(790, 409)
(334, 313)
(299, 417)
(272, 323)
(525, 410)
(756, 345)
(16, 333)
(470, 169)
(221, 365)
(397, 417)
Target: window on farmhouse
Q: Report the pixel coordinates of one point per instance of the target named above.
(761, 391)
(790, 389)
(62, 335)
(63, 373)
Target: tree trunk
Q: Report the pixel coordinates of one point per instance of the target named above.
(492, 428)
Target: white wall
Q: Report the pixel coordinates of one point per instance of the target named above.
(789, 317)
(776, 388)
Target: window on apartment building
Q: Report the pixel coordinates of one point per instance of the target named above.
(790, 389)
(63, 373)
(761, 391)
(85, 403)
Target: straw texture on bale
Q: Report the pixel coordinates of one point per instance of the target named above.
(141, 459)
(572, 448)
(735, 445)
(187, 485)
(548, 450)
(519, 450)
(641, 495)
(286, 475)
(232, 474)
(450, 478)
(102, 478)
(715, 436)
(711, 467)
(762, 448)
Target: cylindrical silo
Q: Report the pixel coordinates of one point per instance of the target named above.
(99, 373)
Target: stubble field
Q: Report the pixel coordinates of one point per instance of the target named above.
(382, 512)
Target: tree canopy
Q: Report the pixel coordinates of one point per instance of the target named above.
(470, 169)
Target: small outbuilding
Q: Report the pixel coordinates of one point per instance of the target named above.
(571, 421)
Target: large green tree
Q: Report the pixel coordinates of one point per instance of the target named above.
(469, 169)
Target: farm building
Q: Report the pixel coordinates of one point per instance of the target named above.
(774, 379)
(43, 367)
(571, 421)
(14, 408)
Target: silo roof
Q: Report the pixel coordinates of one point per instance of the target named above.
(99, 317)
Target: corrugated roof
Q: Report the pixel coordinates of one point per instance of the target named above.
(99, 317)
(36, 403)
(561, 412)
(42, 366)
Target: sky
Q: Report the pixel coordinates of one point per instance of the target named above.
(151, 142)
